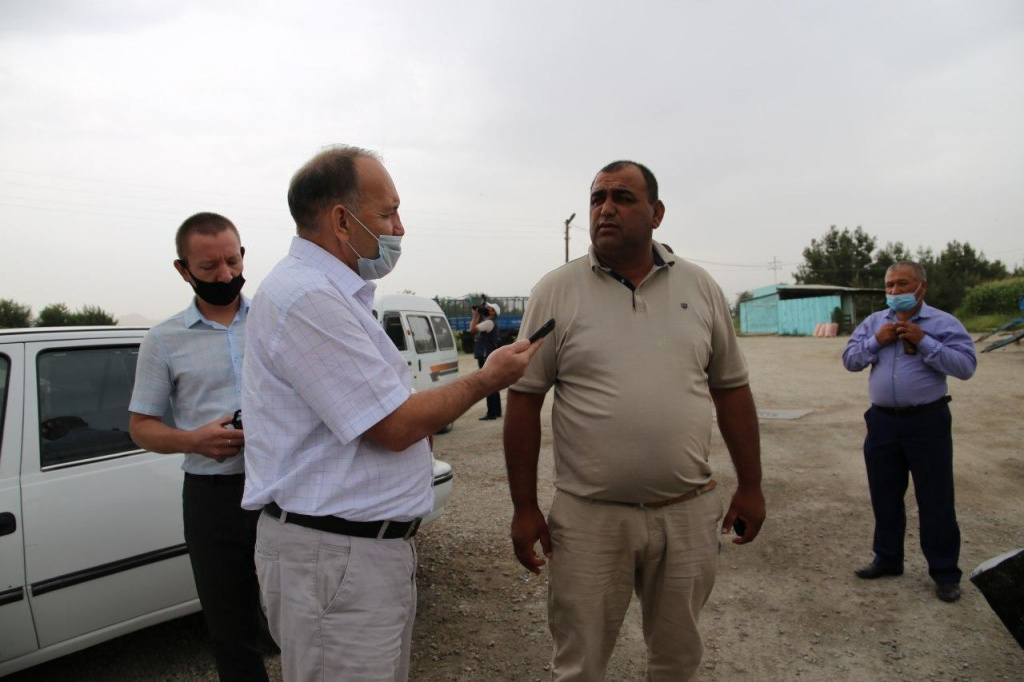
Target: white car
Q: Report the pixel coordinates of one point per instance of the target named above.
(421, 333)
(91, 541)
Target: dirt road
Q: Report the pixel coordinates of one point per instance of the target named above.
(786, 607)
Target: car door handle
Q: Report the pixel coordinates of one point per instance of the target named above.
(8, 524)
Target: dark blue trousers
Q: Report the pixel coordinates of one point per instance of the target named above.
(493, 399)
(919, 445)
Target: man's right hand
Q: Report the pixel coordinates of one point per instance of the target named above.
(529, 527)
(216, 442)
(506, 365)
(887, 333)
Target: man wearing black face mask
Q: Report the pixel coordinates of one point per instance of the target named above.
(192, 363)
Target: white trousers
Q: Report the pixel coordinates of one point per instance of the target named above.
(340, 607)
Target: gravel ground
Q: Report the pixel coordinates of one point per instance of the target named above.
(786, 607)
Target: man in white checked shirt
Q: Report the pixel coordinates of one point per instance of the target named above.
(336, 451)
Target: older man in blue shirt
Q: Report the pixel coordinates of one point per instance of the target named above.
(911, 348)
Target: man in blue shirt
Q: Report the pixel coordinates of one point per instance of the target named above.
(911, 348)
(192, 362)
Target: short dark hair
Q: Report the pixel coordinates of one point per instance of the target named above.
(207, 223)
(652, 182)
(916, 268)
(327, 179)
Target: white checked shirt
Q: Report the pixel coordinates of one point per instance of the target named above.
(194, 365)
(318, 372)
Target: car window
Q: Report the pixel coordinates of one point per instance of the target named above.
(5, 373)
(83, 402)
(393, 328)
(422, 337)
(445, 340)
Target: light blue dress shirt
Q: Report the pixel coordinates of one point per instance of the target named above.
(901, 380)
(194, 365)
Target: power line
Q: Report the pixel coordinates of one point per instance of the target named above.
(753, 266)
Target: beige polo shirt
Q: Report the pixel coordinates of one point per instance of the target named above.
(631, 369)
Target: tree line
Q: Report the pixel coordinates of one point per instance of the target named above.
(14, 315)
(852, 258)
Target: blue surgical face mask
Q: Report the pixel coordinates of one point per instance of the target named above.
(901, 303)
(390, 247)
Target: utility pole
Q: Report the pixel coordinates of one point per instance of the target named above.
(775, 265)
(567, 236)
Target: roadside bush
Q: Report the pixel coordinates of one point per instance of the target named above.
(992, 298)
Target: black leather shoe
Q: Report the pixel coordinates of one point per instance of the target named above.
(873, 570)
(948, 592)
(486, 418)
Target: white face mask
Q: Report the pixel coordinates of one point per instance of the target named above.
(390, 247)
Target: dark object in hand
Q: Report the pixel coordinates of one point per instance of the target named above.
(543, 331)
(236, 421)
(739, 526)
(909, 347)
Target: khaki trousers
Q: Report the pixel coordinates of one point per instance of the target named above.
(340, 607)
(601, 554)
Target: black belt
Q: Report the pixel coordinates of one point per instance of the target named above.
(914, 409)
(380, 530)
(217, 479)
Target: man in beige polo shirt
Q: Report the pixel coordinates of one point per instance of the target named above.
(643, 346)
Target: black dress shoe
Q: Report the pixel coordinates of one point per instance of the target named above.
(948, 592)
(873, 570)
(486, 418)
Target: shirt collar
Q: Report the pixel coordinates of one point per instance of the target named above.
(662, 257)
(193, 316)
(339, 274)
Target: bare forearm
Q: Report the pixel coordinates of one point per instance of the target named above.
(426, 413)
(737, 421)
(522, 446)
(153, 435)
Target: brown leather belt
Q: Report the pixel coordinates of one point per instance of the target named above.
(689, 495)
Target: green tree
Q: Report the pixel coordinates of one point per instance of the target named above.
(93, 316)
(993, 298)
(59, 315)
(54, 315)
(958, 268)
(14, 315)
(892, 252)
(841, 258)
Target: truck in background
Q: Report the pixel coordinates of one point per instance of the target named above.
(459, 312)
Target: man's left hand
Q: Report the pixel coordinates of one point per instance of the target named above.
(909, 332)
(747, 504)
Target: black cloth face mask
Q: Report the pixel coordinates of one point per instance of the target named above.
(216, 293)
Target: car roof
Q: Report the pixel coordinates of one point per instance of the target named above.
(63, 333)
(386, 302)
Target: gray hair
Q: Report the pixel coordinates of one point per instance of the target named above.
(916, 268)
(329, 178)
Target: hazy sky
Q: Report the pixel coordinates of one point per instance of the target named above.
(765, 123)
